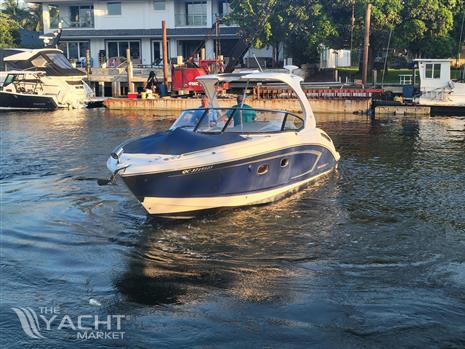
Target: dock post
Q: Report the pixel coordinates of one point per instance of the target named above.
(88, 65)
(101, 87)
(366, 45)
(130, 73)
(115, 88)
(165, 52)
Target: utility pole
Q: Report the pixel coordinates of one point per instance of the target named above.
(165, 52)
(460, 40)
(352, 26)
(217, 41)
(366, 45)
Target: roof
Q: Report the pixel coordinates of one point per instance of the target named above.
(156, 32)
(433, 59)
(293, 81)
(24, 72)
(30, 39)
(28, 54)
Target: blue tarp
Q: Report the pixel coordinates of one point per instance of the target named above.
(178, 142)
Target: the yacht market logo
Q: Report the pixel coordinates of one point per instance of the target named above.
(86, 326)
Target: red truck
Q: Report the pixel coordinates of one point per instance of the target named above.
(183, 77)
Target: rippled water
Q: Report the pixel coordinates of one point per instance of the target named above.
(371, 256)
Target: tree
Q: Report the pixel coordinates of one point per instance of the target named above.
(29, 18)
(271, 22)
(426, 27)
(254, 17)
(423, 27)
(9, 32)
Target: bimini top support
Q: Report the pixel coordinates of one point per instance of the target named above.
(209, 81)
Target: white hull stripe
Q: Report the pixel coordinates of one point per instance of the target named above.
(164, 206)
(218, 162)
(314, 152)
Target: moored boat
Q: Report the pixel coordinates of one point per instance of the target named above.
(227, 157)
(22, 91)
(41, 79)
(438, 90)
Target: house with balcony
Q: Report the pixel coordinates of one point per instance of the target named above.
(108, 28)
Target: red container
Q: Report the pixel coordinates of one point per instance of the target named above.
(132, 95)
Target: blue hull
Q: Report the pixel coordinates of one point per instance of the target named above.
(238, 177)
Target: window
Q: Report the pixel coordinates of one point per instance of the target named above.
(135, 49)
(39, 62)
(54, 13)
(59, 60)
(262, 169)
(73, 50)
(9, 80)
(293, 123)
(76, 50)
(239, 120)
(118, 49)
(80, 17)
(159, 5)
(437, 71)
(157, 54)
(433, 71)
(196, 13)
(114, 8)
(113, 49)
(224, 8)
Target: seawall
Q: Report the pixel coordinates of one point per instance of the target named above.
(356, 105)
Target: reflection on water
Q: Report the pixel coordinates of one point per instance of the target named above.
(243, 252)
(369, 256)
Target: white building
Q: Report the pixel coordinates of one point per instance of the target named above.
(330, 58)
(109, 27)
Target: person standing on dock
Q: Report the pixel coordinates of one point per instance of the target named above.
(152, 82)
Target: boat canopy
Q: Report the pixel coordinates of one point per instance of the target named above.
(50, 61)
(293, 81)
(178, 141)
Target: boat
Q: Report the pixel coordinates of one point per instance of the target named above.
(42, 79)
(437, 90)
(230, 157)
(21, 90)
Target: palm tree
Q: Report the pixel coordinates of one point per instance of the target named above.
(29, 18)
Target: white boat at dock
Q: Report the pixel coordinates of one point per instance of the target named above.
(436, 86)
(42, 79)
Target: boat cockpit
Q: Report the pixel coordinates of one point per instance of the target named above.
(243, 120)
(23, 82)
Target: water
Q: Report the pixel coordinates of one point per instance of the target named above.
(371, 256)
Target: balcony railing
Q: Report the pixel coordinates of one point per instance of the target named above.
(67, 23)
(187, 20)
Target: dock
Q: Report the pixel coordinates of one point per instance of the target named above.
(175, 104)
(403, 110)
(351, 101)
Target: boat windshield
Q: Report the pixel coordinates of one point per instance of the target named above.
(237, 120)
(10, 78)
(60, 60)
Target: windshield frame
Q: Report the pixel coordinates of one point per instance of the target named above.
(231, 117)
